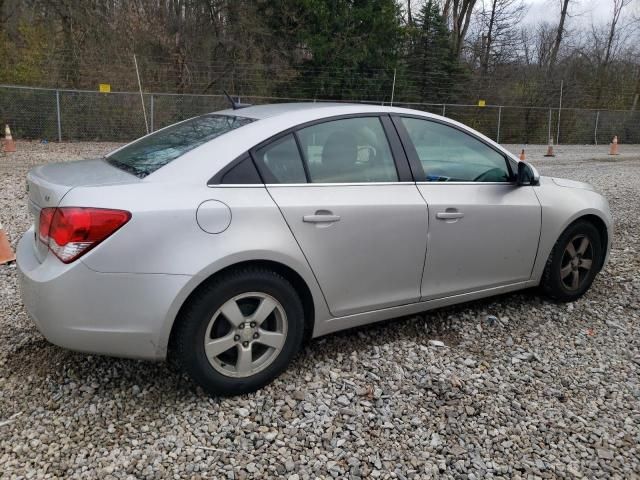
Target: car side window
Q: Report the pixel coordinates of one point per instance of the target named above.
(351, 150)
(280, 161)
(242, 173)
(450, 155)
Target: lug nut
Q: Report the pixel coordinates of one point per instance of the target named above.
(241, 326)
(236, 338)
(253, 324)
(245, 344)
(255, 335)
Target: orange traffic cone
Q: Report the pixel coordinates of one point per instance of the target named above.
(6, 252)
(613, 150)
(523, 157)
(550, 149)
(8, 144)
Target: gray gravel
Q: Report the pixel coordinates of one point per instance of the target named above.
(512, 386)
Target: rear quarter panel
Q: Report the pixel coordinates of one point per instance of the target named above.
(163, 235)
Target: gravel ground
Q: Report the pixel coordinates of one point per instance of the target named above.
(522, 388)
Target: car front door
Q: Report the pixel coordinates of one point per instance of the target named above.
(483, 228)
(346, 192)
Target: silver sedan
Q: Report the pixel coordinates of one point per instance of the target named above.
(225, 240)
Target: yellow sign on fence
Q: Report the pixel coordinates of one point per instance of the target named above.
(105, 88)
(482, 103)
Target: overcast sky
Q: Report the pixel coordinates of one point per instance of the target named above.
(581, 11)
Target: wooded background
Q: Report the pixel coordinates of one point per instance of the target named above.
(437, 51)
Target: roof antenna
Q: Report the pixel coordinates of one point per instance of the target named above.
(235, 103)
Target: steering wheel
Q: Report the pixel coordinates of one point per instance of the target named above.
(492, 175)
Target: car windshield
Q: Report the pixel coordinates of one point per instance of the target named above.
(155, 151)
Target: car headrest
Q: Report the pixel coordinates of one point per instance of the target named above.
(340, 153)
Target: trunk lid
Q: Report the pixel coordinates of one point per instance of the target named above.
(48, 184)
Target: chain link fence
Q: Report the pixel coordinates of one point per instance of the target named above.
(83, 115)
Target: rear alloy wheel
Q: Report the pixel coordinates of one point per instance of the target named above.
(246, 334)
(573, 263)
(239, 332)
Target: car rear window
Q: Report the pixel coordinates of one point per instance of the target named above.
(158, 149)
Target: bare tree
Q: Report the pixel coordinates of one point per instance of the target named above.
(544, 42)
(564, 6)
(499, 21)
(618, 6)
(606, 42)
(458, 14)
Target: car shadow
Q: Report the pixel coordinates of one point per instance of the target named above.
(36, 358)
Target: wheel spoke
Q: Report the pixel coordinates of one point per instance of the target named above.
(266, 307)
(584, 244)
(220, 345)
(232, 312)
(571, 250)
(257, 338)
(586, 264)
(575, 280)
(271, 339)
(243, 365)
(564, 272)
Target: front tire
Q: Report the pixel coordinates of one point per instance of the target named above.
(573, 262)
(239, 332)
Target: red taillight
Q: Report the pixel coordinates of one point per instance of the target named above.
(70, 232)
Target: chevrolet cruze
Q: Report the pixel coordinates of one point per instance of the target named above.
(225, 240)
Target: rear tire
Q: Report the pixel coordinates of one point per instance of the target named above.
(573, 263)
(239, 332)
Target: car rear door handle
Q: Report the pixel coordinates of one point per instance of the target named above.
(449, 215)
(321, 217)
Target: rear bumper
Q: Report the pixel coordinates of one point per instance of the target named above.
(117, 314)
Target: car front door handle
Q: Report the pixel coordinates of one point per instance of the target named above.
(449, 215)
(321, 217)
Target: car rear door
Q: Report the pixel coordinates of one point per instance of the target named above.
(346, 191)
(483, 228)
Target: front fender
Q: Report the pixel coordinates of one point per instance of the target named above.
(561, 206)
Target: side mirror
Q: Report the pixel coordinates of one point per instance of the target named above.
(527, 175)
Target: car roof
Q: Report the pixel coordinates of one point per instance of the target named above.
(272, 119)
(259, 112)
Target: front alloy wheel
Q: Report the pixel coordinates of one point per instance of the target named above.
(573, 263)
(577, 262)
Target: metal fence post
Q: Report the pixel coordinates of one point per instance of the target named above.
(393, 87)
(559, 112)
(58, 115)
(499, 120)
(151, 110)
(444, 109)
(595, 130)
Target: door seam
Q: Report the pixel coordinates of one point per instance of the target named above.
(535, 259)
(426, 250)
(301, 250)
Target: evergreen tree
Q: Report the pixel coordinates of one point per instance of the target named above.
(436, 71)
(347, 49)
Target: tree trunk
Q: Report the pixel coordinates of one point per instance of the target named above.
(461, 17)
(618, 5)
(559, 34)
(487, 47)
